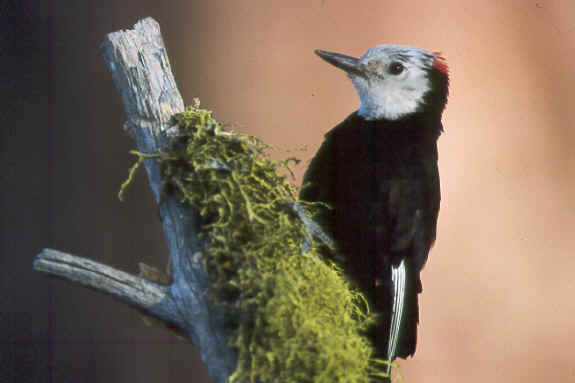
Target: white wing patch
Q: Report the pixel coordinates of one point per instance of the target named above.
(398, 277)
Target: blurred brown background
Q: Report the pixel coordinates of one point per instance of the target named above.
(498, 300)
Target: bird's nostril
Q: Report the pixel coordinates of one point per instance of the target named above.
(373, 66)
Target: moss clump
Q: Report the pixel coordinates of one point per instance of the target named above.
(293, 317)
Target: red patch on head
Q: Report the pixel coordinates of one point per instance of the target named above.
(440, 64)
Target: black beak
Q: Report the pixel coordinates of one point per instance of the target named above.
(347, 63)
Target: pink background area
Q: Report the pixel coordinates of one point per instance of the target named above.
(498, 299)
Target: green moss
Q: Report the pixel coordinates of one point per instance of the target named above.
(293, 316)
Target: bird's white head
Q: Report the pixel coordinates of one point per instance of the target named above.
(394, 81)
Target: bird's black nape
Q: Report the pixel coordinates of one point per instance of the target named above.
(436, 99)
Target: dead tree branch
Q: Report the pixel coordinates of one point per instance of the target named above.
(141, 71)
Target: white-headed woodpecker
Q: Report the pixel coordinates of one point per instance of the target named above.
(377, 171)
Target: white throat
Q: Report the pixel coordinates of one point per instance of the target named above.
(390, 99)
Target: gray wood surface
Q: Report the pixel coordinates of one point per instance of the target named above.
(141, 71)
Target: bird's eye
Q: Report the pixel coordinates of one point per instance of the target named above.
(395, 68)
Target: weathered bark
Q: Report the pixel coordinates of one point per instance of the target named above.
(150, 297)
(141, 71)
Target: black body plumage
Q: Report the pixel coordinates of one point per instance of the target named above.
(380, 178)
(381, 181)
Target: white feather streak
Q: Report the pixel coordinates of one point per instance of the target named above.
(398, 279)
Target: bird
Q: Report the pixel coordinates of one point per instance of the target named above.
(377, 180)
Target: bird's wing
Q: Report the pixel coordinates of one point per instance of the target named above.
(414, 206)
